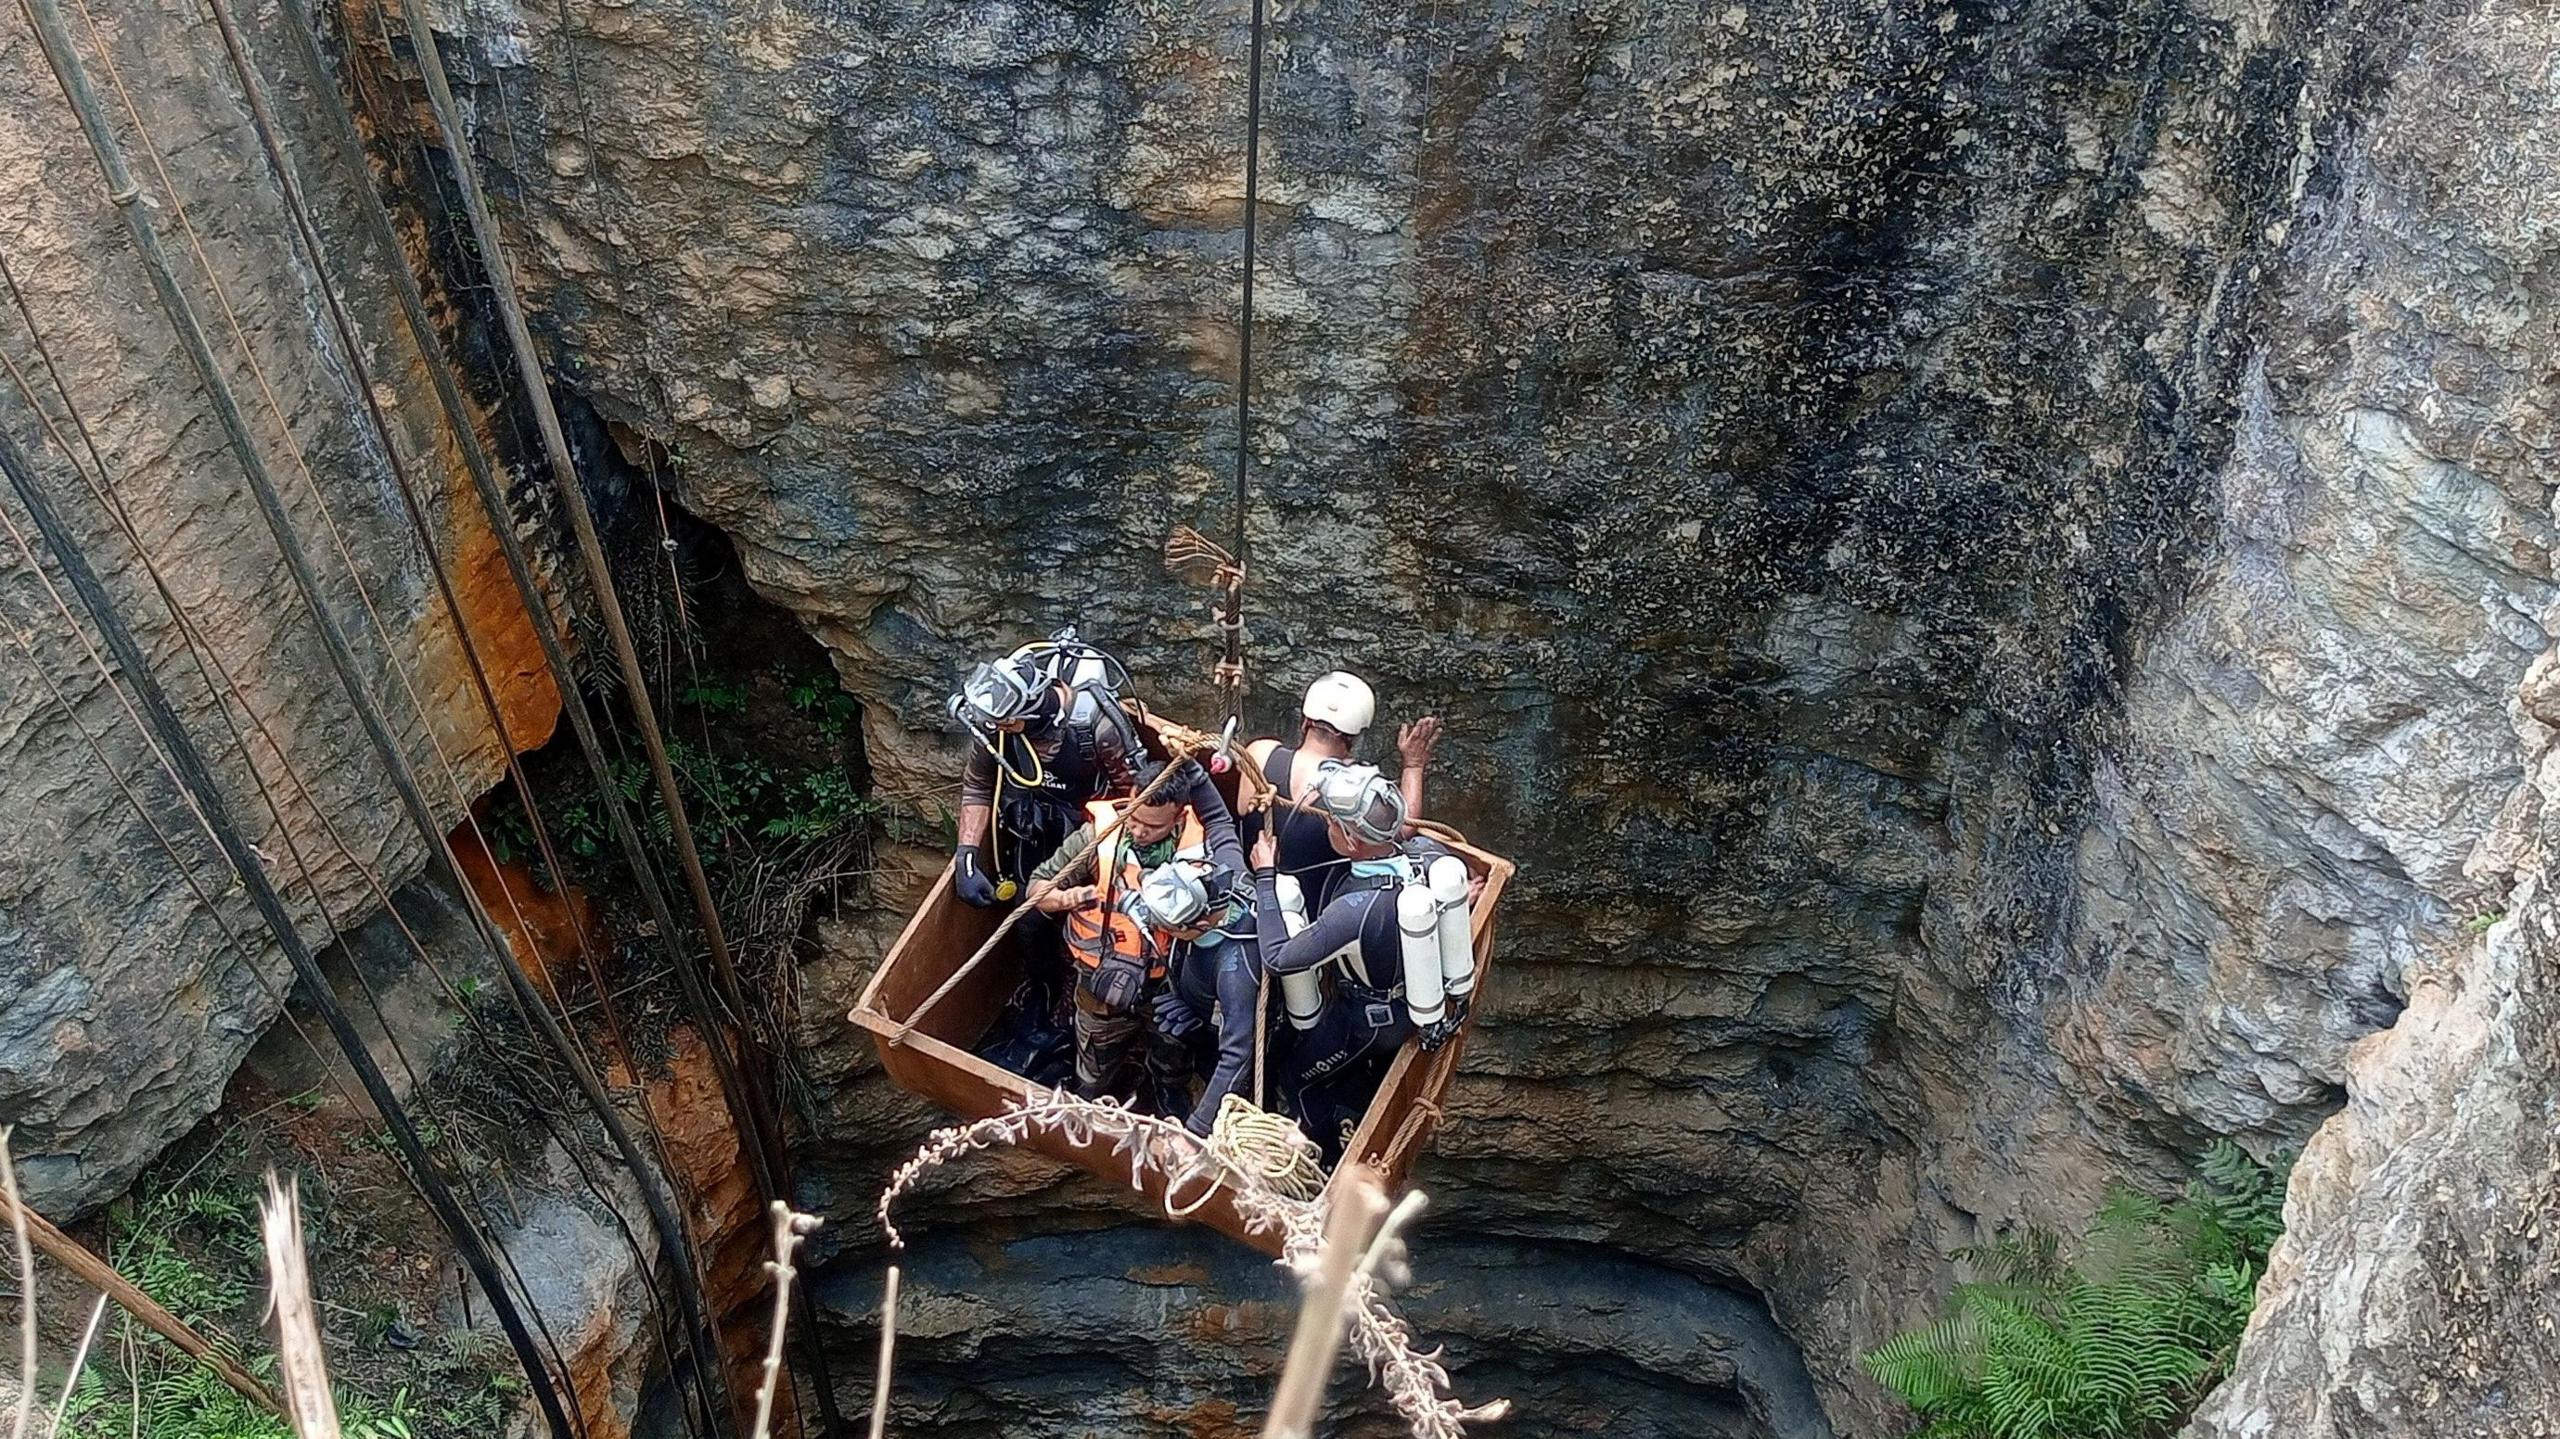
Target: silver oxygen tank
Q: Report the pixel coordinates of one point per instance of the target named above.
(1418, 921)
(1457, 940)
(1301, 994)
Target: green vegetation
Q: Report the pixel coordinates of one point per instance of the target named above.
(2117, 1343)
(196, 1251)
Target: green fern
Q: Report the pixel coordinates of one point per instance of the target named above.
(2117, 1343)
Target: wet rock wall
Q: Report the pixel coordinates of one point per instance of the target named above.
(124, 1001)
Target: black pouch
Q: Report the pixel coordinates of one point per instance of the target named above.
(1115, 986)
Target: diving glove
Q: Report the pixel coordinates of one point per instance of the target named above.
(968, 880)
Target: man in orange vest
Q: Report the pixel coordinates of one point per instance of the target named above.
(1117, 943)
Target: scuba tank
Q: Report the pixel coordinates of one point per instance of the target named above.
(1447, 877)
(1418, 922)
(1301, 994)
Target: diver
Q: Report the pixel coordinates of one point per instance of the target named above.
(1050, 736)
(1119, 935)
(1396, 941)
(1335, 711)
(1215, 974)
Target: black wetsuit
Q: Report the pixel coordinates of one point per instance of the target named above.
(1305, 850)
(1089, 753)
(1332, 1067)
(1220, 976)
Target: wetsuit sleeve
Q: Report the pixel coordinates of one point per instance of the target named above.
(1226, 851)
(1239, 1010)
(1339, 925)
(1113, 744)
(1072, 864)
(978, 777)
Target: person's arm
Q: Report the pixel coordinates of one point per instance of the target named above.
(1414, 743)
(1061, 882)
(1239, 1011)
(969, 877)
(1338, 927)
(1226, 851)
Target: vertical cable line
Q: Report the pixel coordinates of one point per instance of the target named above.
(670, 1229)
(1231, 675)
(302, 32)
(64, 59)
(760, 1135)
(812, 1353)
(198, 781)
(302, 35)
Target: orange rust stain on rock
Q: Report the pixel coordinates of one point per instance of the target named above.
(1188, 1272)
(722, 1211)
(501, 632)
(541, 925)
(1208, 1419)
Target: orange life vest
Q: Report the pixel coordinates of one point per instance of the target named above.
(1101, 929)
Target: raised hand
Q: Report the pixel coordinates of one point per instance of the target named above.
(1415, 741)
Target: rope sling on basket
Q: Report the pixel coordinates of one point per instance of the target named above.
(1416, 1383)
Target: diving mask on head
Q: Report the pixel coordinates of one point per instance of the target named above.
(1360, 799)
(1171, 896)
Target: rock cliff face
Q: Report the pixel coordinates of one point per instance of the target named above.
(1977, 552)
(1919, 517)
(123, 1002)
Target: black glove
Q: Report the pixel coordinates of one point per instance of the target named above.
(969, 880)
(1446, 1027)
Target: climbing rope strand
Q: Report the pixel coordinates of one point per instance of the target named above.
(1231, 669)
(303, 46)
(663, 1217)
(199, 781)
(925, 1006)
(222, 695)
(62, 56)
(762, 1136)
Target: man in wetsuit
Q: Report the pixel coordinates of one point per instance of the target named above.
(1044, 749)
(1337, 708)
(1216, 970)
(1333, 1067)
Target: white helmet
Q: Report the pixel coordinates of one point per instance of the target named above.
(1341, 699)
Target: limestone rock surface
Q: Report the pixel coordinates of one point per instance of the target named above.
(125, 998)
(1923, 520)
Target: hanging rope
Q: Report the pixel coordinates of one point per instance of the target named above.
(761, 1135)
(302, 43)
(1230, 672)
(126, 195)
(663, 1217)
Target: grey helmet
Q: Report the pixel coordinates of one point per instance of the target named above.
(1173, 895)
(1360, 799)
(1003, 692)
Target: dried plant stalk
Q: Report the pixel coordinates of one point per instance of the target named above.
(1416, 1383)
(789, 1228)
(26, 1256)
(309, 1405)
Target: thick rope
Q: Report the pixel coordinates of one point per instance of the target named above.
(669, 1228)
(916, 1016)
(761, 1136)
(1230, 673)
(235, 847)
(302, 43)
